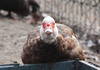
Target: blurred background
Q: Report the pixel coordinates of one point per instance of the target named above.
(83, 16)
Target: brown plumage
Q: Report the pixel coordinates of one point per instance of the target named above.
(65, 47)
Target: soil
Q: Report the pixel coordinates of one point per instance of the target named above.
(13, 34)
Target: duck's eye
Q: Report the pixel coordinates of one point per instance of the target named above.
(53, 25)
(44, 25)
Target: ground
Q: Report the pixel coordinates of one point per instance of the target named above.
(13, 34)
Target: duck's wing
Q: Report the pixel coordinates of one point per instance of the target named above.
(64, 30)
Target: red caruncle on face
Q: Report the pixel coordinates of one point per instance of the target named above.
(48, 25)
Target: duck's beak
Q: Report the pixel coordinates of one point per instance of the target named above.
(48, 31)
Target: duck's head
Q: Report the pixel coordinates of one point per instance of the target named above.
(48, 30)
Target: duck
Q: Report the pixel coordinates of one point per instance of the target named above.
(51, 42)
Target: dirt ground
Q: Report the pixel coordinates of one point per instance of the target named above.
(13, 34)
